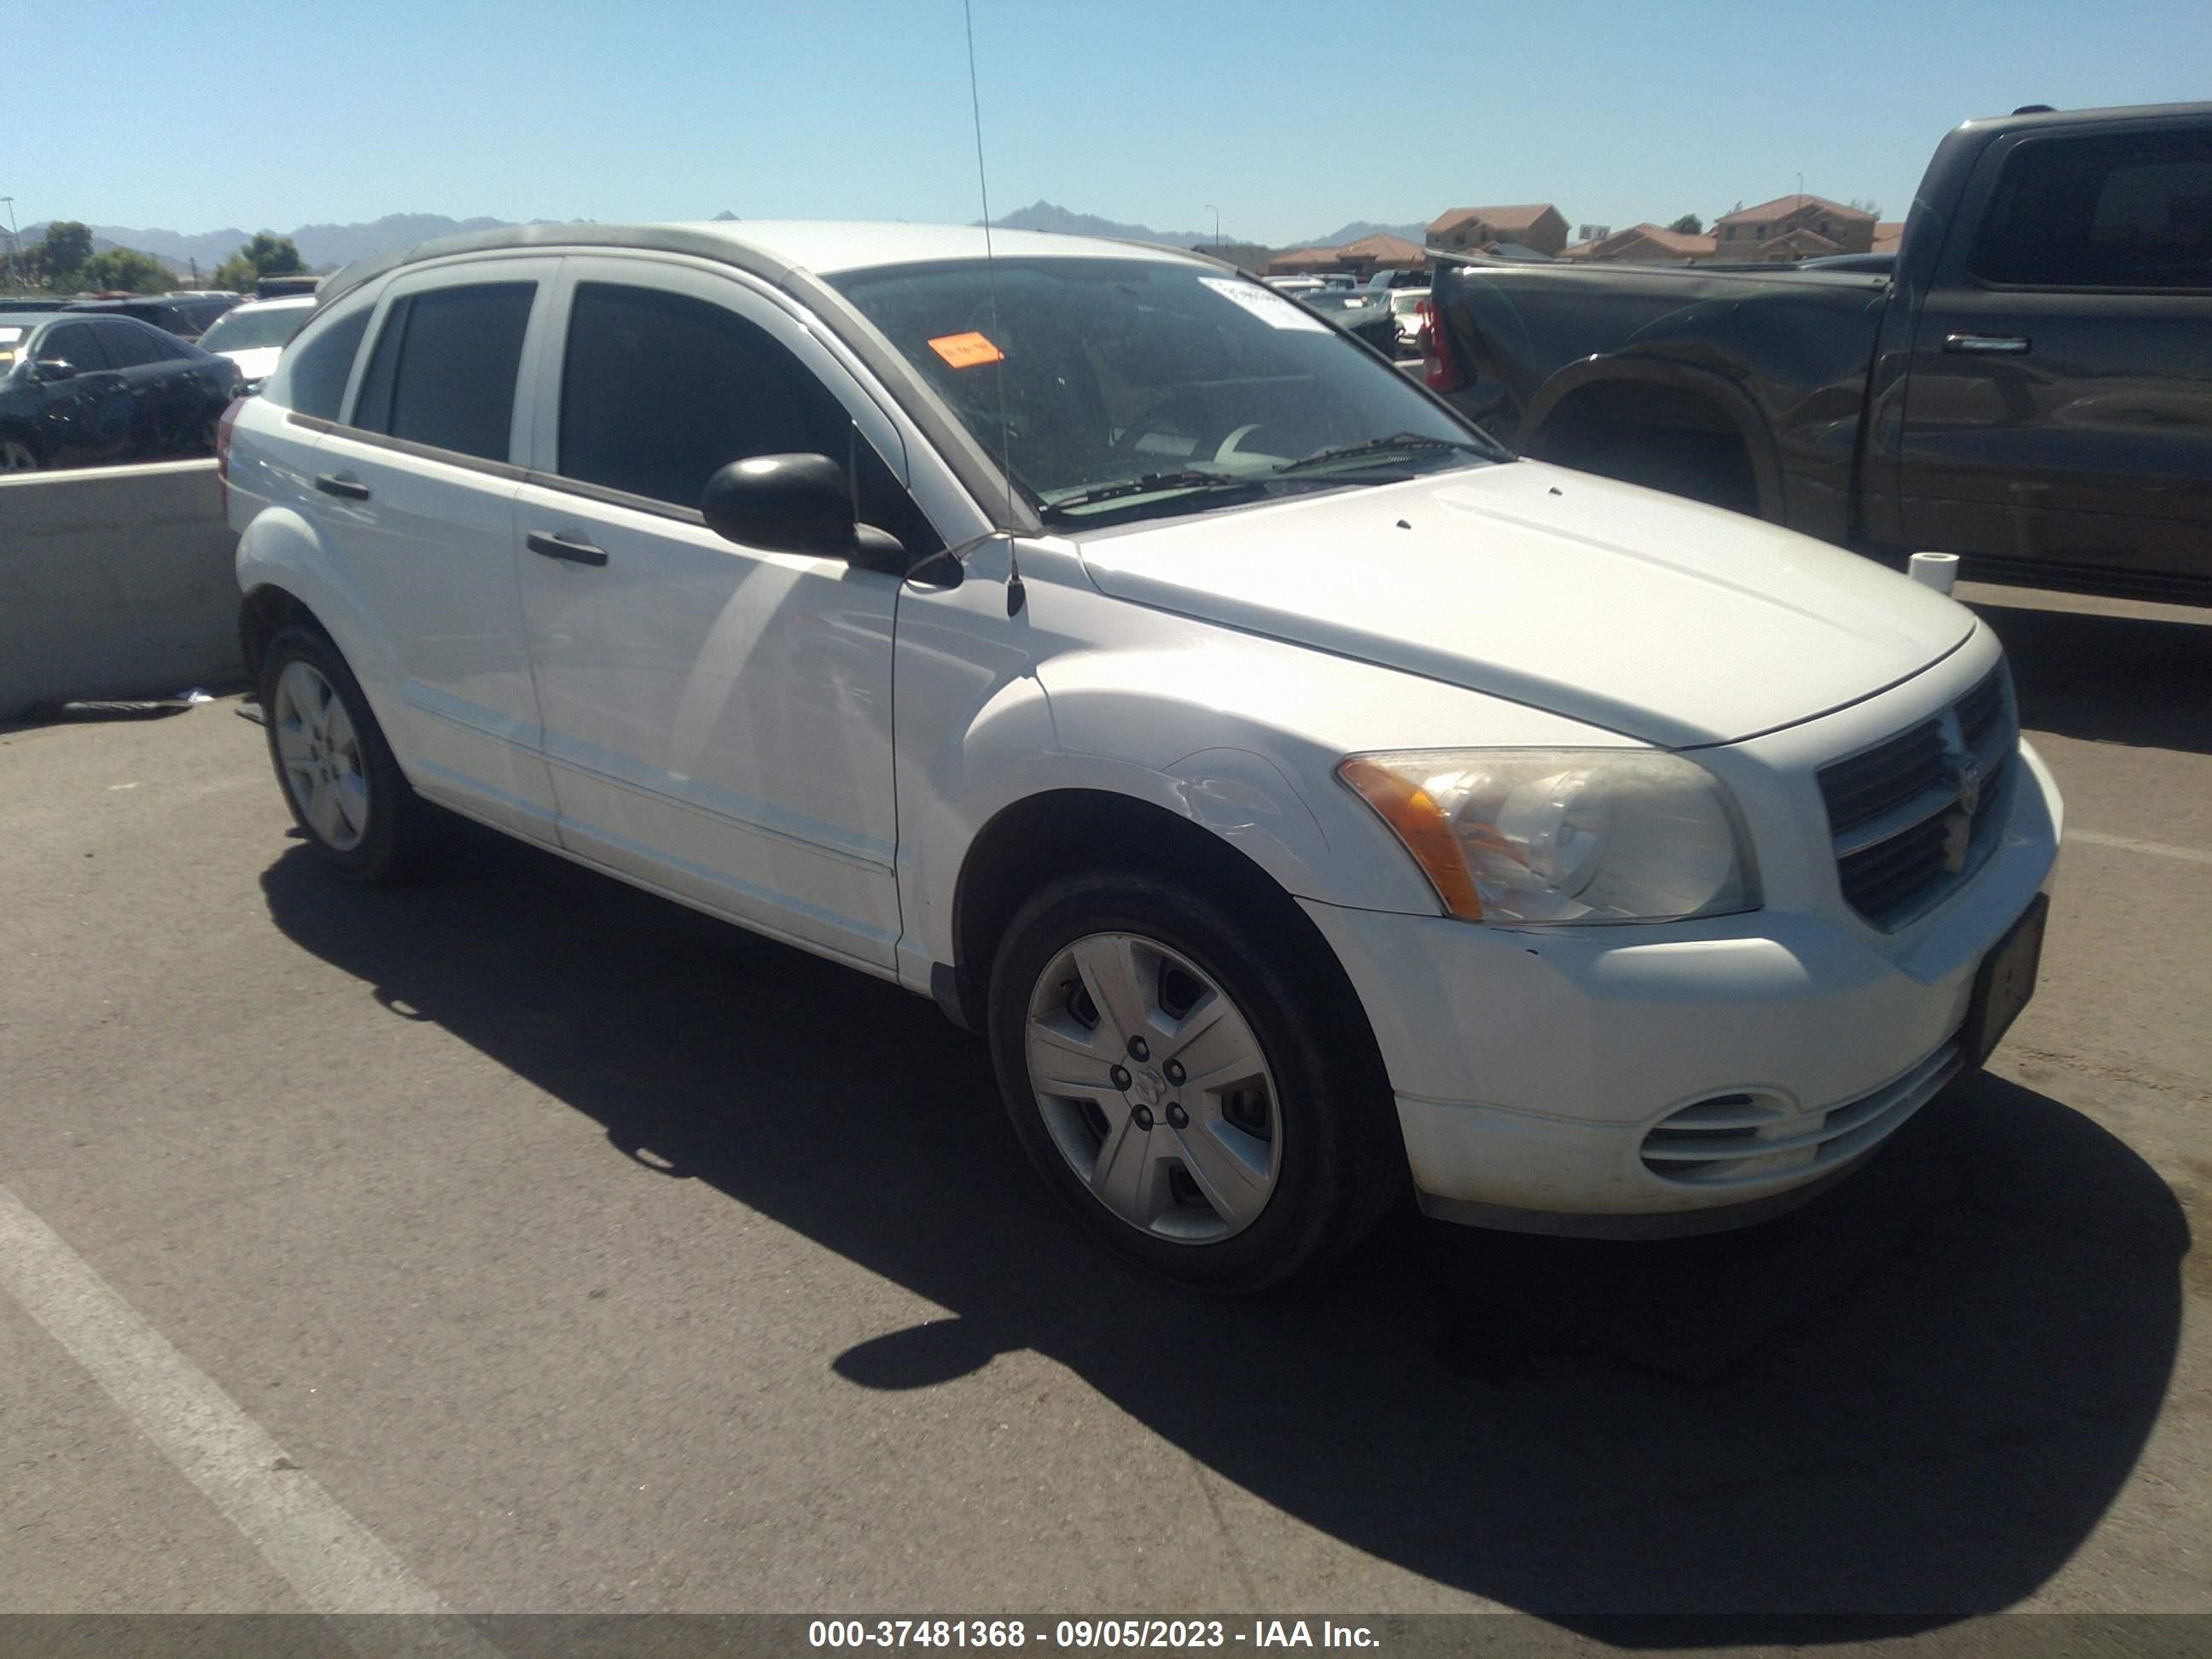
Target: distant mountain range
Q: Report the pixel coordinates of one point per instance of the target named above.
(320, 246)
(325, 246)
(1048, 216)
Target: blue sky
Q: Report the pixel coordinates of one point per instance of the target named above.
(1290, 118)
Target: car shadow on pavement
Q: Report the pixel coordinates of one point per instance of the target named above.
(1914, 1398)
(2142, 681)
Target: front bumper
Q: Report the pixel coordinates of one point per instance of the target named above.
(1531, 1066)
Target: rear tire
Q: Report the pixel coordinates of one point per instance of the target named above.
(345, 791)
(1248, 1131)
(16, 455)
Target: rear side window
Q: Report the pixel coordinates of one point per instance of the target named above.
(2127, 210)
(130, 345)
(315, 373)
(73, 343)
(659, 390)
(444, 370)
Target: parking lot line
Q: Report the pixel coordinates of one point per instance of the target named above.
(2157, 849)
(335, 1564)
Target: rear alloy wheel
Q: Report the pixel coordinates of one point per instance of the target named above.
(319, 752)
(1191, 1074)
(16, 456)
(340, 779)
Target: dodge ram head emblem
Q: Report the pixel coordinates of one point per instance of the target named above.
(1968, 775)
(1966, 779)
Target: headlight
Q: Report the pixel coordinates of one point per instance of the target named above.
(1562, 835)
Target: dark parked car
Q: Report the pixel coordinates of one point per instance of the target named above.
(1365, 313)
(185, 315)
(78, 391)
(2030, 387)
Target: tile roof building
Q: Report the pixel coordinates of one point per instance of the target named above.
(1792, 228)
(1537, 225)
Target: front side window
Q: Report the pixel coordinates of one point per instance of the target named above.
(659, 390)
(444, 370)
(1117, 386)
(313, 380)
(73, 343)
(2126, 210)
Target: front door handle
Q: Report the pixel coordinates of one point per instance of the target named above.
(352, 488)
(564, 548)
(2012, 345)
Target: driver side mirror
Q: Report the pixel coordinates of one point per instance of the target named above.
(796, 504)
(47, 370)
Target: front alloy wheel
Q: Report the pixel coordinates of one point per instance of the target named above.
(1190, 1073)
(1153, 1087)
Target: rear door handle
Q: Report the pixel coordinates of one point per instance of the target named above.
(352, 488)
(564, 548)
(2013, 344)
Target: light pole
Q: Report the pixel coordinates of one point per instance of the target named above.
(1215, 212)
(14, 241)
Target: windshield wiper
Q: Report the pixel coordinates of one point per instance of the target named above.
(1152, 484)
(1397, 444)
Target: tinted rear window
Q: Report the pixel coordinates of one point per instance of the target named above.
(130, 345)
(315, 375)
(2127, 210)
(445, 368)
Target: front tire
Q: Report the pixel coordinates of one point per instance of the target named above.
(1190, 1081)
(16, 455)
(345, 790)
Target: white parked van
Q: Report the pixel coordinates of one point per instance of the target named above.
(1304, 798)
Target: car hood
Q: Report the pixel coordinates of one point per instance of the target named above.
(255, 362)
(1666, 620)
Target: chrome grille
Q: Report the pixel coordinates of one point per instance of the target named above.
(1914, 816)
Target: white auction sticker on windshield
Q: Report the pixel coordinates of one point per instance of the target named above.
(1269, 306)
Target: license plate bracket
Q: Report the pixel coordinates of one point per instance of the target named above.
(2004, 982)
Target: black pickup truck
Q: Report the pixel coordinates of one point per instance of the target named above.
(2030, 386)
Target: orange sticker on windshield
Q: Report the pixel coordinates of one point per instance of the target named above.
(966, 350)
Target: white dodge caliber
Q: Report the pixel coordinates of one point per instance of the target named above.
(1304, 798)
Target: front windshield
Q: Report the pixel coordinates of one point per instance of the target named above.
(1144, 385)
(248, 330)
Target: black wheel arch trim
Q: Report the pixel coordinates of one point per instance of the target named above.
(1581, 375)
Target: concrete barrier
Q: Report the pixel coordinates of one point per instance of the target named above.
(115, 582)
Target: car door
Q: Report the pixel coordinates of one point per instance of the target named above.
(416, 485)
(164, 397)
(2059, 408)
(84, 420)
(718, 717)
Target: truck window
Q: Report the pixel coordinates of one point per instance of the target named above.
(2124, 210)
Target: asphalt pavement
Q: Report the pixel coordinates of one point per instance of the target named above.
(516, 1242)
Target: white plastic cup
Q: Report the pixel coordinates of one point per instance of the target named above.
(1937, 570)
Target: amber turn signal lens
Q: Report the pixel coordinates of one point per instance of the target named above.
(1420, 824)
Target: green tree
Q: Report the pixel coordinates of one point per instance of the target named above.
(1689, 224)
(66, 246)
(125, 268)
(264, 256)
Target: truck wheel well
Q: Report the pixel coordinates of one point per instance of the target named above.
(1665, 437)
(261, 616)
(1065, 830)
